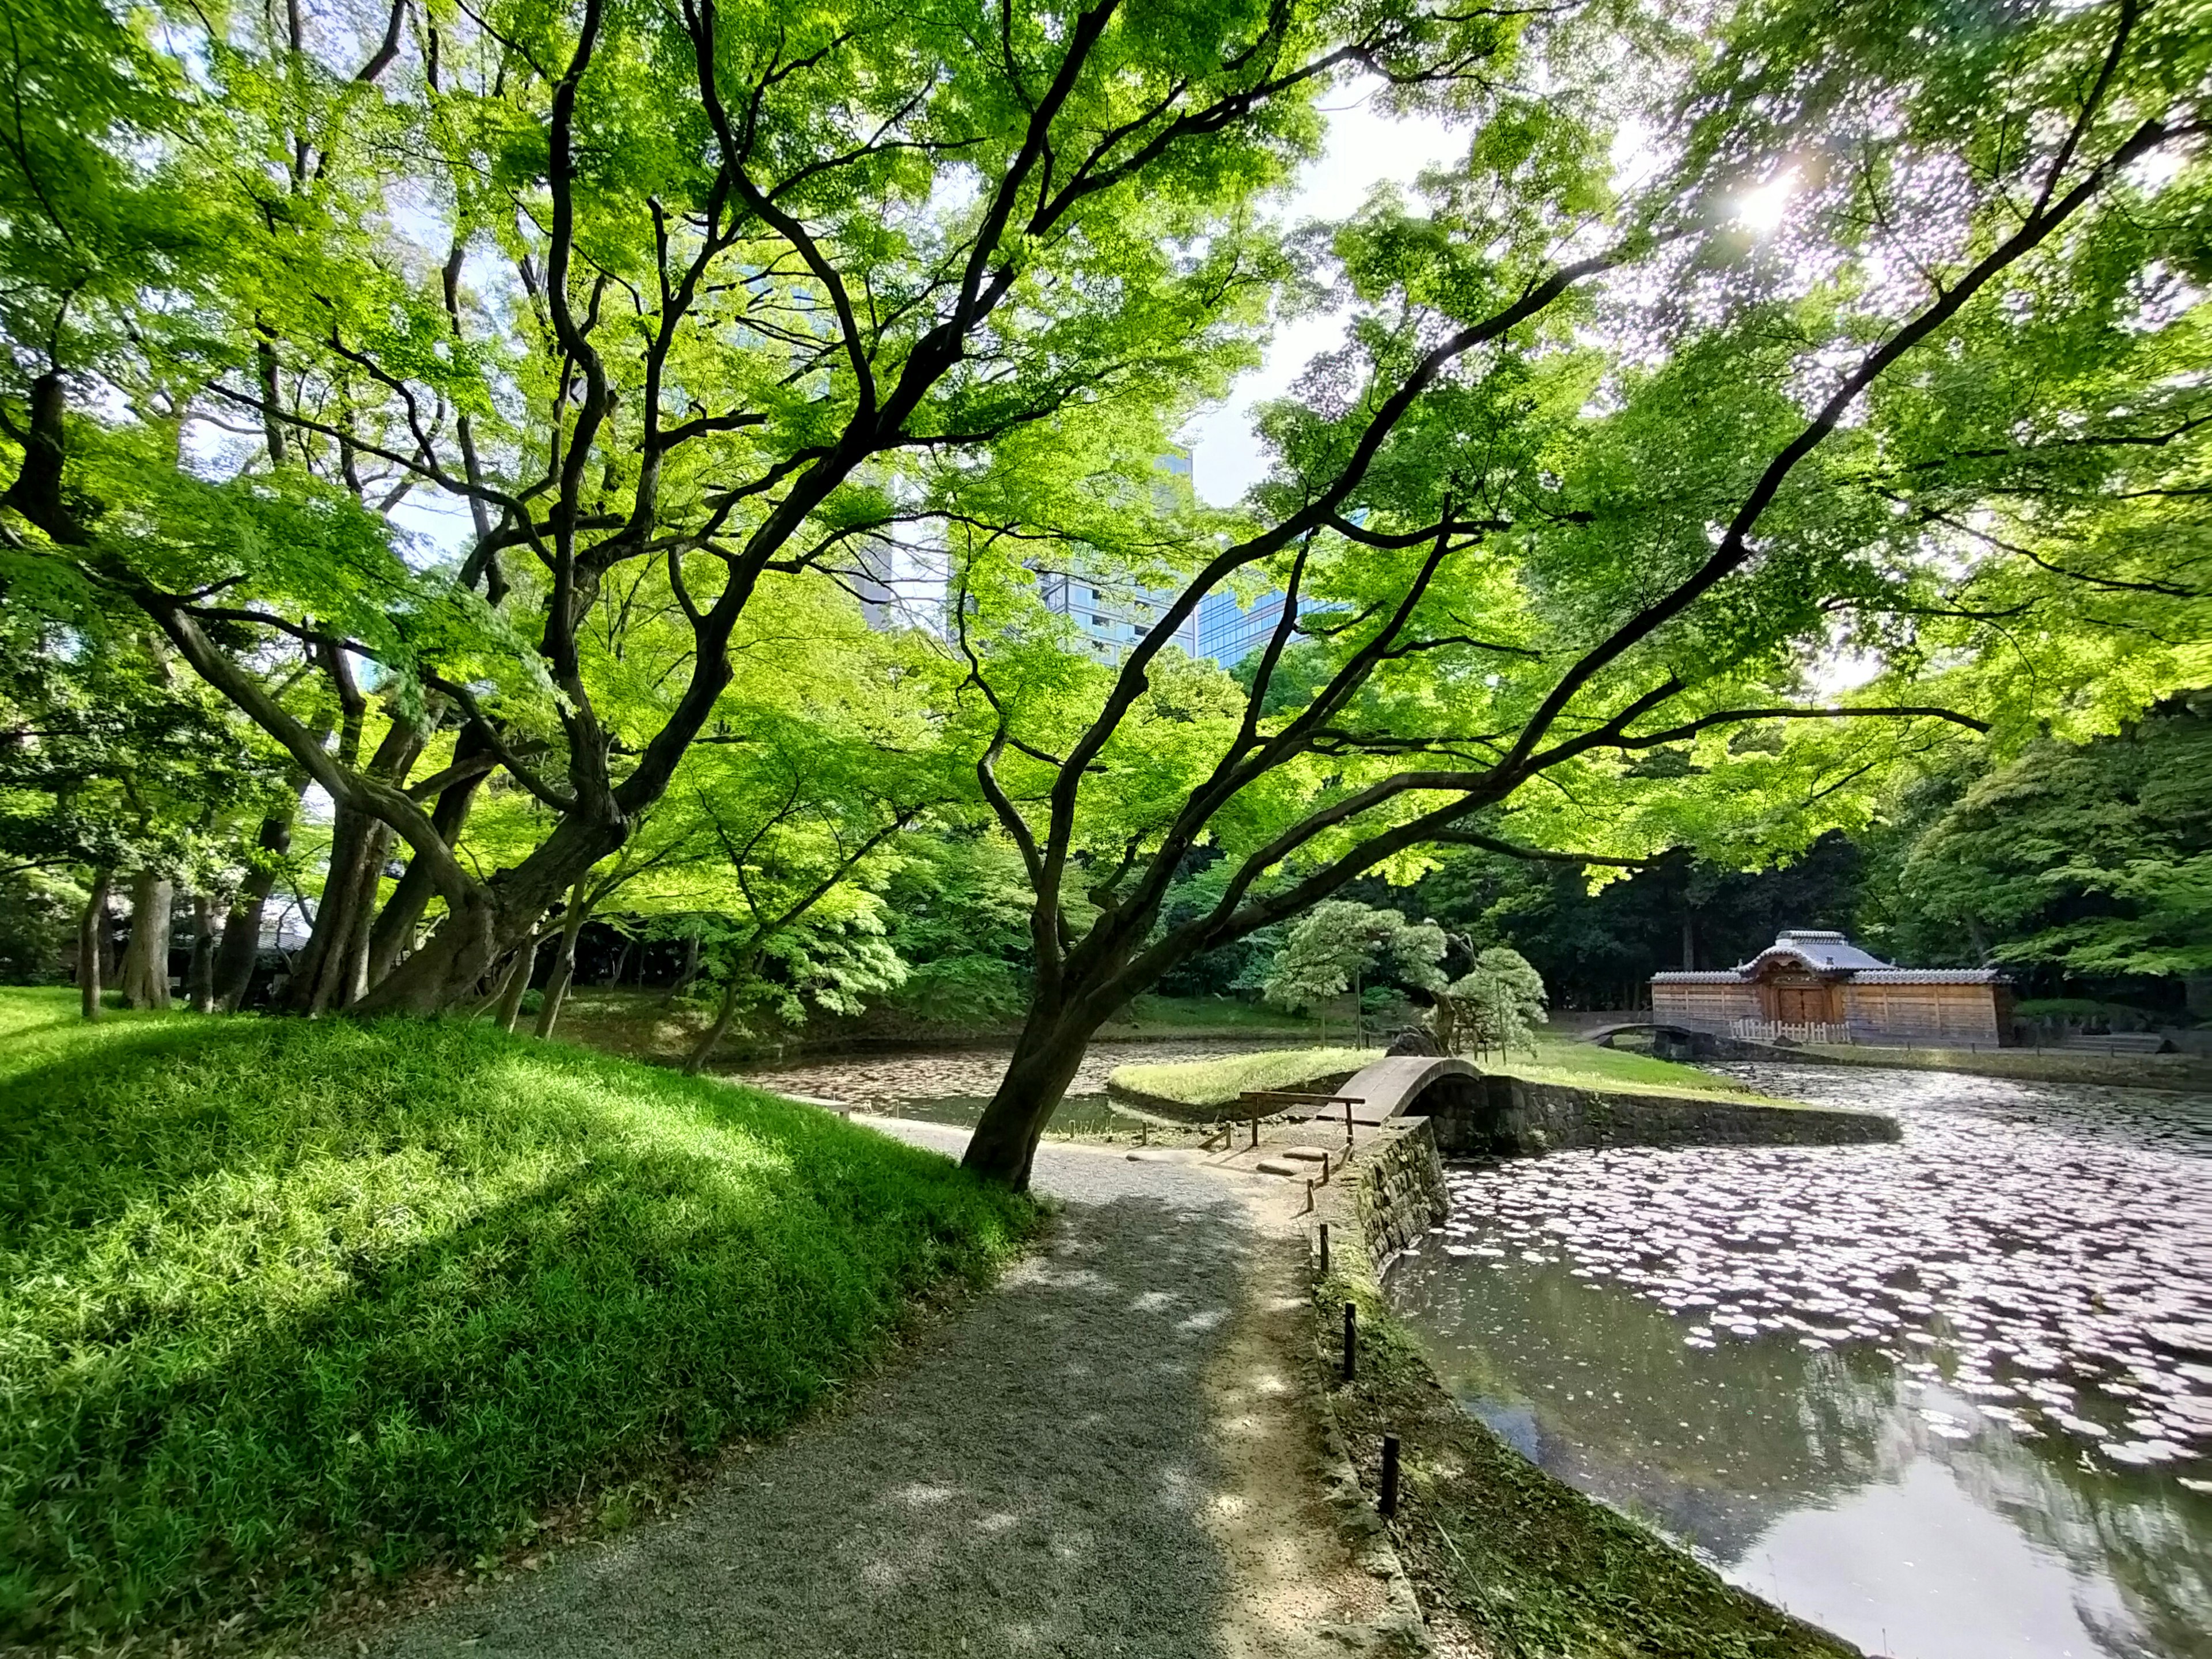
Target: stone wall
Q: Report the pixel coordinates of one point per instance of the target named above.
(1401, 1192)
(1509, 1116)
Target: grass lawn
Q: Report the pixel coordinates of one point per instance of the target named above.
(1218, 1082)
(1586, 1066)
(1581, 1064)
(284, 1302)
(1151, 1014)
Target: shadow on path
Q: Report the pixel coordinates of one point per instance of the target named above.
(1034, 1480)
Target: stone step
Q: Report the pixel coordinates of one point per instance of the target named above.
(1281, 1166)
(1305, 1154)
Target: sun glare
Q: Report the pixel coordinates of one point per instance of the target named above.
(1760, 210)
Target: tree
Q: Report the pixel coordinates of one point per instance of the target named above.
(1609, 563)
(113, 764)
(2095, 859)
(664, 300)
(1338, 942)
(1498, 1004)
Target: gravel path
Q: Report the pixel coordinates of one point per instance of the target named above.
(1103, 1456)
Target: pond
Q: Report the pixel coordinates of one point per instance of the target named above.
(1950, 1398)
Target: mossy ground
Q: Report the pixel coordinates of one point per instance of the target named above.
(285, 1304)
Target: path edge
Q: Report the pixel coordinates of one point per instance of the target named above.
(1396, 1195)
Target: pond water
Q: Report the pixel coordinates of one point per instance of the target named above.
(1950, 1398)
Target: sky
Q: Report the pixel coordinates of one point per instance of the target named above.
(1363, 149)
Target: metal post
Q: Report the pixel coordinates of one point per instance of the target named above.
(1324, 1249)
(1389, 1504)
(1351, 1341)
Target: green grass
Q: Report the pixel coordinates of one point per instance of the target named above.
(1579, 1065)
(1218, 1082)
(1152, 1013)
(281, 1301)
(1586, 1066)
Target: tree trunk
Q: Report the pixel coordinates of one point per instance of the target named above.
(516, 983)
(309, 990)
(490, 920)
(690, 971)
(394, 932)
(564, 963)
(146, 960)
(241, 928)
(351, 983)
(726, 1012)
(329, 972)
(91, 938)
(1689, 940)
(199, 978)
(1046, 1057)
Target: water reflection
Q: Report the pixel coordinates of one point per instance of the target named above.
(1937, 1396)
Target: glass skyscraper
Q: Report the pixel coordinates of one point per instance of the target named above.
(1228, 632)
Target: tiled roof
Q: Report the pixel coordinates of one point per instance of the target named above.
(1928, 977)
(1822, 950)
(1829, 952)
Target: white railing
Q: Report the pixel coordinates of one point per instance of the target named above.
(1765, 1031)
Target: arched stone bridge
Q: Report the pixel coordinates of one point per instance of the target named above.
(1409, 1086)
(1474, 1114)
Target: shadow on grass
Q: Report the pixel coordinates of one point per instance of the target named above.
(1036, 1480)
(284, 1298)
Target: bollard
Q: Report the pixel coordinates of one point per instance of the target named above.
(1324, 1249)
(1144, 1134)
(1324, 1167)
(1389, 1504)
(1309, 1195)
(1256, 1132)
(1351, 1341)
(1347, 1123)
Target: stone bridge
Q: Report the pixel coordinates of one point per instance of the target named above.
(1474, 1114)
(1669, 1040)
(1410, 1086)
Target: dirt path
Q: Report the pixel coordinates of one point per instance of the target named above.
(1108, 1455)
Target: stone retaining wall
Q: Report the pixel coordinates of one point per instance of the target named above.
(1509, 1116)
(1401, 1188)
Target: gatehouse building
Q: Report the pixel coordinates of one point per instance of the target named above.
(1816, 986)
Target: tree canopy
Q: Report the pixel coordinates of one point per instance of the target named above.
(490, 406)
